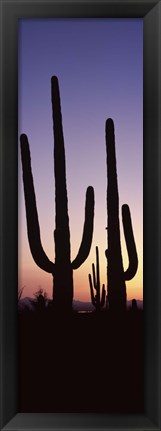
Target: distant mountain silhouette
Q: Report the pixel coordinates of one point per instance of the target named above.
(28, 304)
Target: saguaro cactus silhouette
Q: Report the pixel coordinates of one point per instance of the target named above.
(115, 272)
(97, 299)
(62, 269)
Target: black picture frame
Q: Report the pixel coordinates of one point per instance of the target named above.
(11, 11)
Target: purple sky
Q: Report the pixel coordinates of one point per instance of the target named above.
(99, 64)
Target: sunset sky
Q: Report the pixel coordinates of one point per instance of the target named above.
(99, 65)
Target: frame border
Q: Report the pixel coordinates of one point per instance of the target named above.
(10, 12)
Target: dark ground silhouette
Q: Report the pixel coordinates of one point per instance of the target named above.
(87, 362)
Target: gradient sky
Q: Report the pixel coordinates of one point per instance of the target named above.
(99, 64)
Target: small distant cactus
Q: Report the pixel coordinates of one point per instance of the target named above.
(134, 305)
(97, 299)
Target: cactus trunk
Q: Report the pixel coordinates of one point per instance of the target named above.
(115, 272)
(63, 275)
(116, 275)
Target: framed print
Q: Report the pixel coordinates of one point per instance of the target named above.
(80, 139)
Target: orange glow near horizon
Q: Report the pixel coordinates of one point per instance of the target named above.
(33, 277)
(32, 280)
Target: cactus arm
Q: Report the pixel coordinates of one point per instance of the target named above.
(91, 290)
(87, 231)
(130, 243)
(103, 296)
(98, 273)
(33, 229)
(94, 276)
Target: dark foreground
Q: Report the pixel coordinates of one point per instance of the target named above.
(85, 363)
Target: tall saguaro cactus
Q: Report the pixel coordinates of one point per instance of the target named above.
(115, 272)
(62, 268)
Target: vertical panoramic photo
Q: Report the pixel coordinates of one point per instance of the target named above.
(80, 215)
